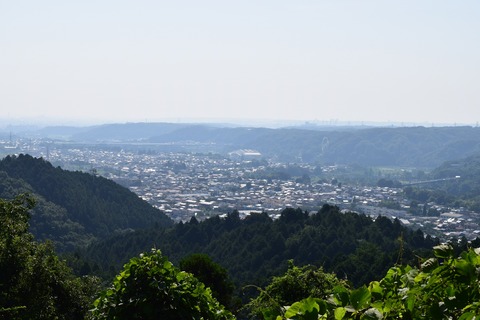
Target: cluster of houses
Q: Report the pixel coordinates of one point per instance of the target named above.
(184, 185)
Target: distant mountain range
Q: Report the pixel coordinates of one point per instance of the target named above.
(366, 146)
(75, 208)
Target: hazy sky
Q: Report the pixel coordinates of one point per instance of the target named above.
(119, 61)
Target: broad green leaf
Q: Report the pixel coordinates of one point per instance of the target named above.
(341, 296)
(310, 304)
(467, 316)
(294, 309)
(376, 289)
(340, 313)
(307, 307)
(360, 297)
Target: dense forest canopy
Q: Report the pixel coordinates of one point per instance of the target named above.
(353, 246)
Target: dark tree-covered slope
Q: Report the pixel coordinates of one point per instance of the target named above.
(74, 207)
(252, 250)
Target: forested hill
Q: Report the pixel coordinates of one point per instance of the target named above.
(367, 146)
(468, 169)
(413, 146)
(74, 208)
(461, 192)
(252, 250)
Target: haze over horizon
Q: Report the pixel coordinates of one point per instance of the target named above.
(326, 62)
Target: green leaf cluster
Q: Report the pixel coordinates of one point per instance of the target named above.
(297, 283)
(211, 274)
(443, 287)
(150, 287)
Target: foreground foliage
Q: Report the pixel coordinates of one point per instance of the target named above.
(211, 274)
(34, 283)
(150, 287)
(295, 284)
(443, 287)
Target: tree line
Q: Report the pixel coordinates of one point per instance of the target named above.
(354, 246)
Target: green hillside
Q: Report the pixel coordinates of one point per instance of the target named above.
(468, 171)
(74, 208)
(455, 183)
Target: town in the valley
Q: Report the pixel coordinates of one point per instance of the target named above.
(201, 185)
